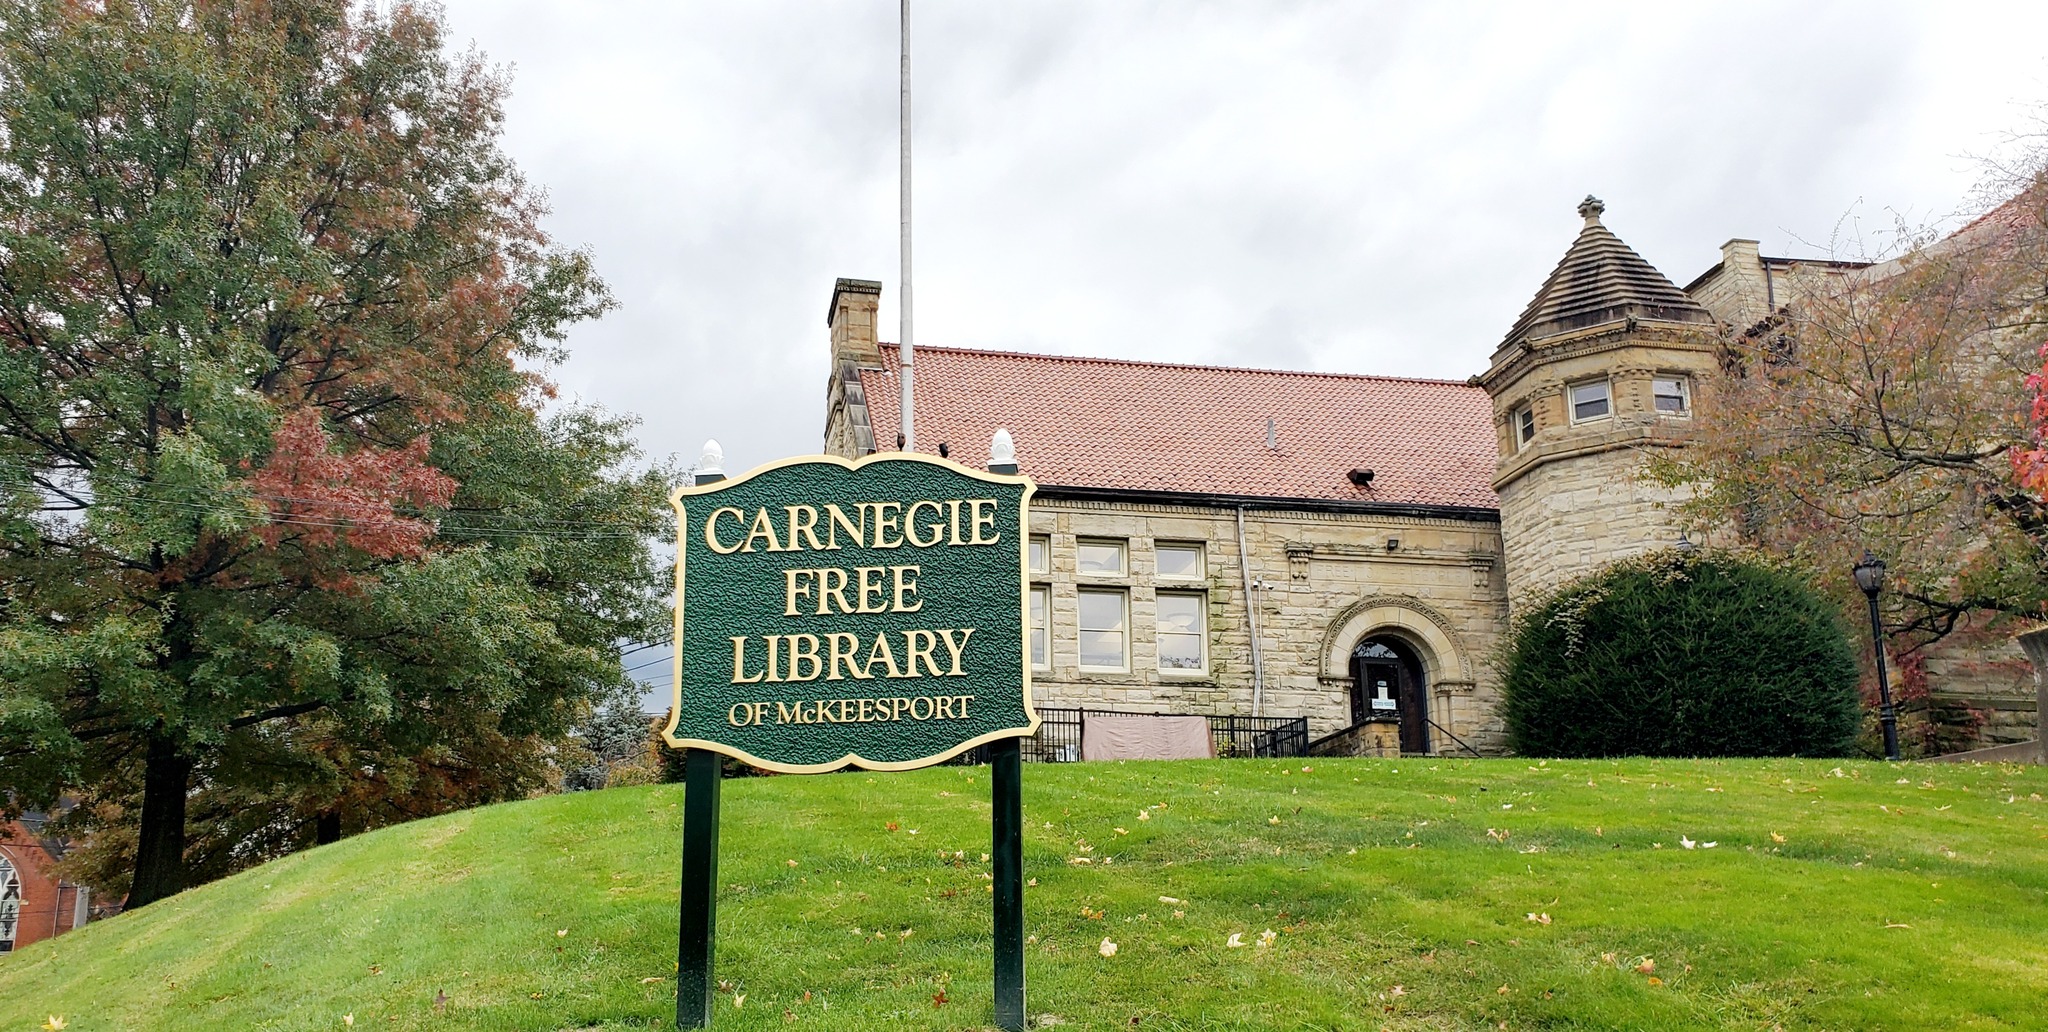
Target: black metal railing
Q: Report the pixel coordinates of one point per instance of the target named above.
(1059, 734)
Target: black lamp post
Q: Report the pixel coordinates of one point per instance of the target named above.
(1870, 577)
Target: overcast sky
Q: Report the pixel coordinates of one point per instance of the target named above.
(1354, 187)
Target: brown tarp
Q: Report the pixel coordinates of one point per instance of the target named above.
(1130, 736)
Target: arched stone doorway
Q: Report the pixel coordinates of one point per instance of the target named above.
(1388, 683)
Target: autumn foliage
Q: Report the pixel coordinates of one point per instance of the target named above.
(289, 546)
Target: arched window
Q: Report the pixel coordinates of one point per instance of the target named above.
(1374, 650)
(10, 904)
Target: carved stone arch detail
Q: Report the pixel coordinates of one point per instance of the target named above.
(1406, 616)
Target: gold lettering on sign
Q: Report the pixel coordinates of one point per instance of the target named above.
(910, 527)
(839, 518)
(843, 655)
(711, 530)
(871, 584)
(761, 530)
(978, 521)
(851, 711)
(803, 524)
(739, 662)
(888, 517)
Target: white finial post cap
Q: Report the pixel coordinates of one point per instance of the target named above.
(1001, 448)
(712, 462)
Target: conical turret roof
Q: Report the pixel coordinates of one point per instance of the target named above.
(1602, 280)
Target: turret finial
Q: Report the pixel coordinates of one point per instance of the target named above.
(1590, 209)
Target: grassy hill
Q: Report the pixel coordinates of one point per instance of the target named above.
(1437, 894)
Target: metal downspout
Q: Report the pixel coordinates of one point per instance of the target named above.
(1251, 617)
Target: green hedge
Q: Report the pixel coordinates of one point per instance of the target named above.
(1671, 654)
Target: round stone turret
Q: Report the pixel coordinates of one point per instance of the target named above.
(1605, 363)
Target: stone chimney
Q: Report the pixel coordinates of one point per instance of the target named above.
(852, 320)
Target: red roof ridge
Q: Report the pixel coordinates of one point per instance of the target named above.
(1183, 365)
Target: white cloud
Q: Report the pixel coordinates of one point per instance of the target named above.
(1336, 186)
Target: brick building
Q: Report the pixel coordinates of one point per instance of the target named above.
(1344, 548)
(35, 904)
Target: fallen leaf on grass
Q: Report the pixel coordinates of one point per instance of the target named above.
(939, 998)
(651, 979)
(1686, 842)
(1266, 938)
(54, 1023)
(891, 826)
(1107, 949)
(1397, 991)
(1120, 831)
(1542, 919)
(1890, 924)
(348, 1019)
(1775, 837)
(1144, 815)
(1648, 966)
(1170, 901)
(1272, 820)
(1654, 980)
(561, 933)
(1236, 940)
(1503, 990)
(739, 1000)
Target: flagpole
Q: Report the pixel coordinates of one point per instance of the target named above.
(908, 405)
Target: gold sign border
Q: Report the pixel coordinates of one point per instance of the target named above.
(675, 713)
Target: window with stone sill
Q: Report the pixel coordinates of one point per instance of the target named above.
(1041, 620)
(1591, 401)
(1671, 395)
(1182, 633)
(1180, 561)
(1105, 638)
(1099, 557)
(1040, 554)
(1524, 421)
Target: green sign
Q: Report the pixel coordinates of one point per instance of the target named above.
(869, 613)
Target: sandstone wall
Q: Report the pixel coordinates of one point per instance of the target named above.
(1561, 520)
(1321, 583)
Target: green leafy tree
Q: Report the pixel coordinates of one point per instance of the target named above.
(1675, 654)
(289, 541)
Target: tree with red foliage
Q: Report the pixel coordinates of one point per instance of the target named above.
(287, 541)
(1888, 409)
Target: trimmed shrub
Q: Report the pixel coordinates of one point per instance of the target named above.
(1671, 654)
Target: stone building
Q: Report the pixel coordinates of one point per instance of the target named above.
(1344, 548)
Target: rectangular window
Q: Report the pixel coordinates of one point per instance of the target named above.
(1182, 562)
(1590, 401)
(1100, 557)
(1103, 635)
(1041, 619)
(1041, 554)
(1525, 426)
(1183, 632)
(1673, 395)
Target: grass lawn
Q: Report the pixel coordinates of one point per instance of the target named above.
(1433, 894)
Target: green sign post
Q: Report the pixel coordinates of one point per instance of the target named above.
(832, 614)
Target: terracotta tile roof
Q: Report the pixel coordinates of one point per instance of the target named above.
(1601, 280)
(1147, 426)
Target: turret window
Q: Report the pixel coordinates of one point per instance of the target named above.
(1672, 394)
(1591, 401)
(1524, 421)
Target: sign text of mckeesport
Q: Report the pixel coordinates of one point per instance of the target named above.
(832, 612)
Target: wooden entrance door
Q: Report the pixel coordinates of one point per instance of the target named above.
(1387, 685)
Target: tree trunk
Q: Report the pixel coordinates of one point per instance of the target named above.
(160, 843)
(327, 828)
